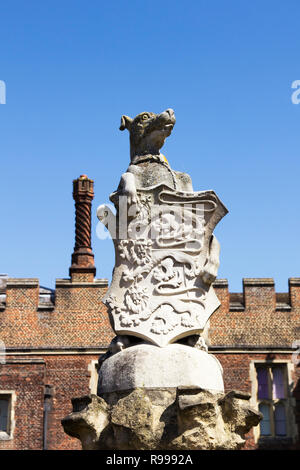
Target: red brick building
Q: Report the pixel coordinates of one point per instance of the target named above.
(50, 342)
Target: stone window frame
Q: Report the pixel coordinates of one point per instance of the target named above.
(11, 395)
(271, 402)
(93, 369)
(289, 402)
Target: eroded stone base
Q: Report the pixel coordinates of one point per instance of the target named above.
(162, 418)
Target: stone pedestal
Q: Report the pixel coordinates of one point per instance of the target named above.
(149, 366)
(179, 418)
(161, 398)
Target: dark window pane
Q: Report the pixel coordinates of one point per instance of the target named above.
(3, 414)
(280, 422)
(265, 428)
(278, 382)
(262, 379)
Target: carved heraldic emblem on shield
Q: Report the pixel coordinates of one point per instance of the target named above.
(157, 292)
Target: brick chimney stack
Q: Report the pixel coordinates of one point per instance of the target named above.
(83, 267)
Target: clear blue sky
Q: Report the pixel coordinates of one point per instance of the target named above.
(72, 68)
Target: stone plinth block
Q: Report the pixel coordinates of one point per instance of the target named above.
(162, 418)
(150, 366)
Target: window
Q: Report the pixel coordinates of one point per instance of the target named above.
(272, 398)
(5, 413)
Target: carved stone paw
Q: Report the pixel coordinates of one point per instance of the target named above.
(198, 342)
(118, 344)
(209, 272)
(210, 269)
(129, 188)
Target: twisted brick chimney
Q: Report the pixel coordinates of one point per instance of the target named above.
(83, 267)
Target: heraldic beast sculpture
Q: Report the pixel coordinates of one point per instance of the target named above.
(158, 387)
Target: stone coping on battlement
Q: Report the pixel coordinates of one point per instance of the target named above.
(34, 282)
(68, 283)
(22, 282)
(220, 283)
(258, 282)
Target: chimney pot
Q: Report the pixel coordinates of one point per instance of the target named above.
(83, 266)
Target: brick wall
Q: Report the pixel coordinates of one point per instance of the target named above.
(66, 375)
(70, 377)
(55, 345)
(65, 337)
(26, 379)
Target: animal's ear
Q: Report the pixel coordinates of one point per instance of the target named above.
(126, 122)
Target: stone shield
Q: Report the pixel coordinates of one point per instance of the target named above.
(161, 246)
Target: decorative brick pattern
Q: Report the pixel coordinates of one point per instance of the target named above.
(261, 322)
(79, 318)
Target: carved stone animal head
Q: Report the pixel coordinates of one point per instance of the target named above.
(148, 131)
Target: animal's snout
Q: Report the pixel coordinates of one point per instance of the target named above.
(168, 116)
(170, 111)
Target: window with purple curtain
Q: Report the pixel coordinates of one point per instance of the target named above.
(278, 383)
(272, 394)
(262, 380)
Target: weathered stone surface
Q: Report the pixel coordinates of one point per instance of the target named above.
(166, 418)
(88, 421)
(145, 365)
(217, 421)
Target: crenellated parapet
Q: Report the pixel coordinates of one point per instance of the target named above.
(257, 316)
(258, 293)
(71, 314)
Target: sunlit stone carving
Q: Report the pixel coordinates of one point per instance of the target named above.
(166, 254)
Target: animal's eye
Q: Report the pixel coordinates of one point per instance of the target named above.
(145, 116)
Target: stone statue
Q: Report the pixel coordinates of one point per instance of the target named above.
(148, 132)
(159, 388)
(167, 256)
